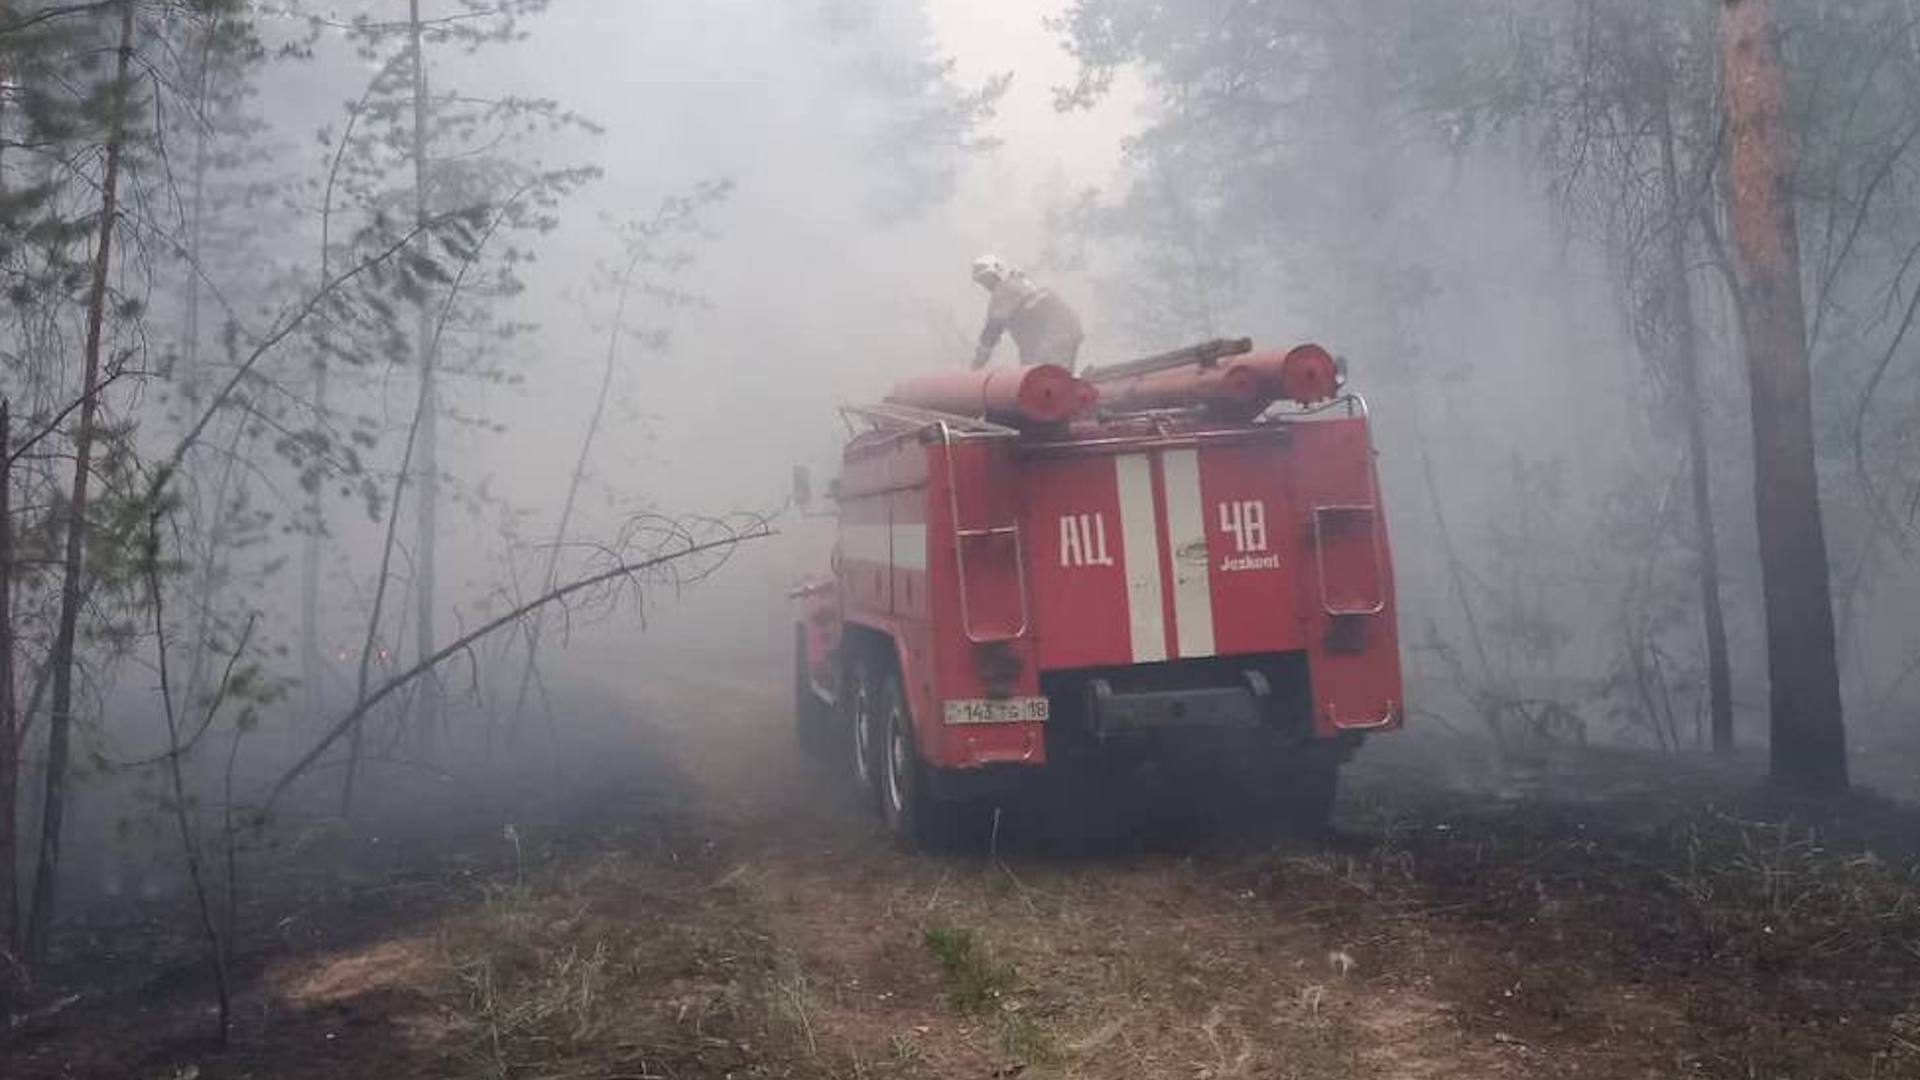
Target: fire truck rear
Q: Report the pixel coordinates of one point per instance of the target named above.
(1177, 559)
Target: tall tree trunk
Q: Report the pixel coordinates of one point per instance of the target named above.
(60, 716)
(9, 716)
(427, 713)
(1809, 750)
(313, 664)
(1694, 415)
(204, 85)
(9, 708)
(312, 661)
(196, 229)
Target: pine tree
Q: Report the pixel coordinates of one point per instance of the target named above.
(461, 154)
(1808, 733)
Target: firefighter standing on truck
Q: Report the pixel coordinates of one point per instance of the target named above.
(1046, 330)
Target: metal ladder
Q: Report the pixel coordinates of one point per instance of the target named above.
(962, 537)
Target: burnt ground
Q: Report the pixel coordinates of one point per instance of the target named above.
(692, 898)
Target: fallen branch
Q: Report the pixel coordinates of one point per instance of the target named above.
(352, 719)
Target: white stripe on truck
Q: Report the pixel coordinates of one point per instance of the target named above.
(899, 545)
(1187, 532)
(1140, 541)
(910, 546)
(865, 543)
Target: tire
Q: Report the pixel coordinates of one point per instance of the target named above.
(909, 812)
(812, 718)
(861, 740)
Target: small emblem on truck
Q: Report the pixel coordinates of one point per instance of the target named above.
(1083, 540)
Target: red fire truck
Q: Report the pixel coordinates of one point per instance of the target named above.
(1178, 556)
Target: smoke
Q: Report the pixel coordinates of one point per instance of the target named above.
(870, 150)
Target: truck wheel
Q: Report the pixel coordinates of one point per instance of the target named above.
(863, 729)
(904, 802)
(812, 718)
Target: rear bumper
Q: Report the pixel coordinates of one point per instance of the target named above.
(1249, 694)
(1119, 712)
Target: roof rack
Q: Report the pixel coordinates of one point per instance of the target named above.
(909, 417)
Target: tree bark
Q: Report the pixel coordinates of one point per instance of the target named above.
(60, 715)
(1694, 416)
(10, 726)
(1808, 750)
(9, 715)
(427, 715)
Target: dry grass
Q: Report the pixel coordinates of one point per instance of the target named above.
(1790, 949)
(1451, 936)
(536, 980)
(624, 968)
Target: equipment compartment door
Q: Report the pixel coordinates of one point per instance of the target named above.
(1093, 560)
(1250, 547)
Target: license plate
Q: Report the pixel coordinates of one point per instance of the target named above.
(1026, 710)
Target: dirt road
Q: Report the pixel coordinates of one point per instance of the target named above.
(1123, 964)
(694, 898)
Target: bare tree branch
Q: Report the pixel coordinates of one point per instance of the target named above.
(625, 570)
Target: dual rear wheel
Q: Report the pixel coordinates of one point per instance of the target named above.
(882, 754)
(869, 732)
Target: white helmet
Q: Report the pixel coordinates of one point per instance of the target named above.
(990, 269)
